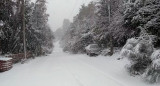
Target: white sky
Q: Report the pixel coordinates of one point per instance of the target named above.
(63, 9)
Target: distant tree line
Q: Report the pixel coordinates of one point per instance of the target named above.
(92, 25)
(39, 37)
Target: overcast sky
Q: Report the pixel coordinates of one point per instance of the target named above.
(63, 9)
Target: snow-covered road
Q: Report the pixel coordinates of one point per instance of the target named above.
(63, 69)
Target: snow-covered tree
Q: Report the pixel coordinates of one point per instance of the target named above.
(7, 15)
(102, 31)
(38, 33)
(41, 32)
(79, 35)
(144, 13)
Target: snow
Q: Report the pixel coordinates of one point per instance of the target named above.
(64, 69)
(1, 23)
(156, 64)
(155, 55)
(5, 59)
(156, 59)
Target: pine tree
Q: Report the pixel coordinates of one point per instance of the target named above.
(38, 33)
(105, 14)
(40, 26)
(7, 18)
(79, 35)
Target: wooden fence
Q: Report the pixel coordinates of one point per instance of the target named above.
(18, 57)
(6, 63)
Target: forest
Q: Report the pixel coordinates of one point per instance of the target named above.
(38, 34)
(129, 25)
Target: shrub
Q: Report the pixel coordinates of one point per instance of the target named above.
(152, 73)
(138, 52)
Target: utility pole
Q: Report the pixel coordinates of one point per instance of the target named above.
(24, 30)
(111, 36)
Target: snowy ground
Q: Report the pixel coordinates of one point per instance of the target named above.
(62, 69)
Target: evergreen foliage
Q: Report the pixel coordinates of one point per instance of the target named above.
(78, 36)
(39, 36)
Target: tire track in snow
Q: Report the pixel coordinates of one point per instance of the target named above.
(73, 74)
(97, 70)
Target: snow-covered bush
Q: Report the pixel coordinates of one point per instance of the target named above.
(138, 52)
(127, 50)
(143, 59)
(155, 55)
(153, 71)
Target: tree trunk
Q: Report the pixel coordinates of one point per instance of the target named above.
(24, 28)
(111, 36)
